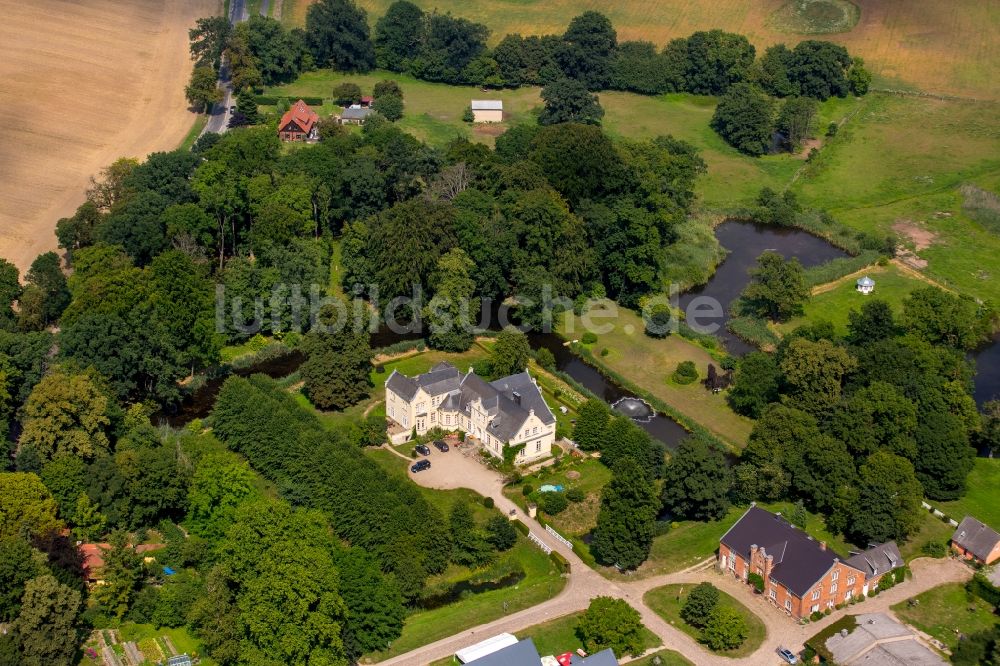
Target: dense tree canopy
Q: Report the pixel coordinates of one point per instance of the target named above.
(624, 532)
(338, 36)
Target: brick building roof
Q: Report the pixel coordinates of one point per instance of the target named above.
(302, 115)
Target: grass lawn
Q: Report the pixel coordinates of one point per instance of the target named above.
(667, 658)
(144, 634)
(943, 610)
(199, 124)
(648, 362)
(668, 600)
(931, 529)
(980, 499)
(833, 301)
(542, 582)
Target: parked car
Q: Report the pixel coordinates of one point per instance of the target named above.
(440, 445)
(422, 449)
(784, 653)
(420, 466)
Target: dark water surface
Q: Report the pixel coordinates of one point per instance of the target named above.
(745, 242)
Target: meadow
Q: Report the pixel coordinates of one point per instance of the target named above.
(981, 499)
(946, 612)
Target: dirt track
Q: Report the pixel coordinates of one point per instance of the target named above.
(82, 84)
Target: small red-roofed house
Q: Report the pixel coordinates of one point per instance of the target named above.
(298, 123)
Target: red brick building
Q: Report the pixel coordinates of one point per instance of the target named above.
(298, 123)
(801, 575)
(976, 541)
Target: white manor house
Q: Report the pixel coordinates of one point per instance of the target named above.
(507, 412)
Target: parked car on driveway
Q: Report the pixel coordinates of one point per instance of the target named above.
(440, 445)
(420, 466)
(422, 449)
(787, 655)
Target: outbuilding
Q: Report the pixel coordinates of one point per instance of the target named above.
(976, 541)
(355, 115)
(487, 110)
(866, 285)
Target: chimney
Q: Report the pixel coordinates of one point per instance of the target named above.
(768, 567)
(822, 545)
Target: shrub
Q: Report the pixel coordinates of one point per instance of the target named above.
(467, 115)
(521, 527)
(527, 489)
(700, 603)
(500, 533)
(757, 581)
(588, 338)
(553, 503)
(604, 351)
(547, 360)
(562, 564)
(934, 549)
(816, 616)
(685, 373)
(832, 129)
(488, 502)
(575, 495)
(725, 629)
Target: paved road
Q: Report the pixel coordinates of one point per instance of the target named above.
(455, 470)
(220, 112)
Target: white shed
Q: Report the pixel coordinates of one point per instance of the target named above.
(487, 110)
(866, 285)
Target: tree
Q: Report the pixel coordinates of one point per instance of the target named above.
(122, 571)
(745, 119)
(989, 433)
(873, 322)
(208, 40)
(859, 79)
(10, 291)
(220, 483)
(47, 277)
(590, 430)
(610, 623)
(202, 90)
(944, 457)
(877, 417)
(755, 384)
(814, 373)
(450, 312)
(772, 72)
(942, 317)
(569, 101)
(337, 33)
(26, 506)
(725, 629)
(246, 106)
(88, 521)
(500, 533)
(696, 481)
(797, 121)
(387, 88)
(510, 353)
(580, 162)
(819, 69)
(469, 546)
(77, 232)
(777, 287)
(700, 603)
(715, 61)
(347, 93)
(375, 610)
(586, 50)
(629, 506)
(18, 565)
(47, 626)
(398, 35)
(66, 414)
(390, 106)
(338, 362)
(887, 502)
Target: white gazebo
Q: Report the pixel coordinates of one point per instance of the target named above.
(866, 285)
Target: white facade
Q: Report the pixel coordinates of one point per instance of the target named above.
(487, 110)
(507, 412)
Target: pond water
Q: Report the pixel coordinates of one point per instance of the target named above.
(745, 242)
(987, 385)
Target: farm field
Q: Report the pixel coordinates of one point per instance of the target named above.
(83, 84)
(923, 44)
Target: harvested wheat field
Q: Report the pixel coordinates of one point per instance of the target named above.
(81, 84)
(949, 47)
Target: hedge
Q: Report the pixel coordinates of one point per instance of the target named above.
(272, 100)
(981, 587)
(562, 564)
(521, 527)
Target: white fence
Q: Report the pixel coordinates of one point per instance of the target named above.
(560, 537)
(541, 544)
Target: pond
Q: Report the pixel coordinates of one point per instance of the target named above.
(987, 383)
(745, 242)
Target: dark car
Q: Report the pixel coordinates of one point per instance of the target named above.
(420, 466)
(440, 446)
(422, 449)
